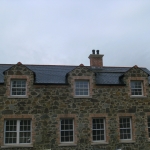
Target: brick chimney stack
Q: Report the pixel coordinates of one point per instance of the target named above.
(96, 60)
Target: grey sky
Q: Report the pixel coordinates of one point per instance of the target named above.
(65, 31)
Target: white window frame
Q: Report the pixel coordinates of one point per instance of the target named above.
(130, 128)
(141, 88)
(18, 131)
(104, 123)
(81, 88)
(19, 87)
(67, 130)
(148, 126)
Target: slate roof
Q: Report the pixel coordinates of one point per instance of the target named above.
(108, 78)
(3, 67)
(50, 74)
(56, 74)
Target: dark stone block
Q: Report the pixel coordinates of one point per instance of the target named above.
(46, 110)
(55, 107)
(142, 113)
(128, 148)
(132, 109)
(94, 100)
(34, 111)
(81, 141)
(33, 93)
(7, 112)
(2, 92)
(44, 116)
(83, 71)
(25, 112)
(121, 111)
(10, 72)
(21, 103)
(107, 110)
(38, 107)
(80, 74)
(21, 108)
(146, 110)
(18, 73)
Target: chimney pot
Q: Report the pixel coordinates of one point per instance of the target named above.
(93, 51)
(97, 52)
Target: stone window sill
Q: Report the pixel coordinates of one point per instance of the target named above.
(67, 144)
(97, 143)
(17, 96)
(132, 96)
(17, 145)
(82, 97)
(126, 141)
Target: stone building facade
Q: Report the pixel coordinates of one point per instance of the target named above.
(74, 107)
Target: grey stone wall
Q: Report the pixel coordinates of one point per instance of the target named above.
(46, 102)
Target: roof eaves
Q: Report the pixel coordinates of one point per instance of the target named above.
(111, 84)
(51, 84)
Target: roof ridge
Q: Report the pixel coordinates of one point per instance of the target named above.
(49, 65)
(120, 67)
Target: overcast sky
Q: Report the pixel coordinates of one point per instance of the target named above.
(64, 32)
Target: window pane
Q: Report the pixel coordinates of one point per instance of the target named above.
(24, 137)
(98, 129)
(136, 87)
(11, 125)
(66, 130)
(10, 137)
(125, 128)
(11, 129)
(81, 87)
(25, 125)
(18, 87)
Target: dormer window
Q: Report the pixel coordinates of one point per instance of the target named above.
(18, 87)
(81, 87)
(136, 88)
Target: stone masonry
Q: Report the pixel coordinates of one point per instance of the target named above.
(46, 104)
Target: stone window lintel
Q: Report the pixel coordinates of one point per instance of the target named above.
(98, 143)
(126, 141)
(67, 144)
(18, 97)
(17, 146)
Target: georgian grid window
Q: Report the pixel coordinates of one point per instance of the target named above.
(98, 129)
(125, 128)
(67, 130)
(18, 87)
(17, 131)
(136, 88)
(81, 88)
(148, 121)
